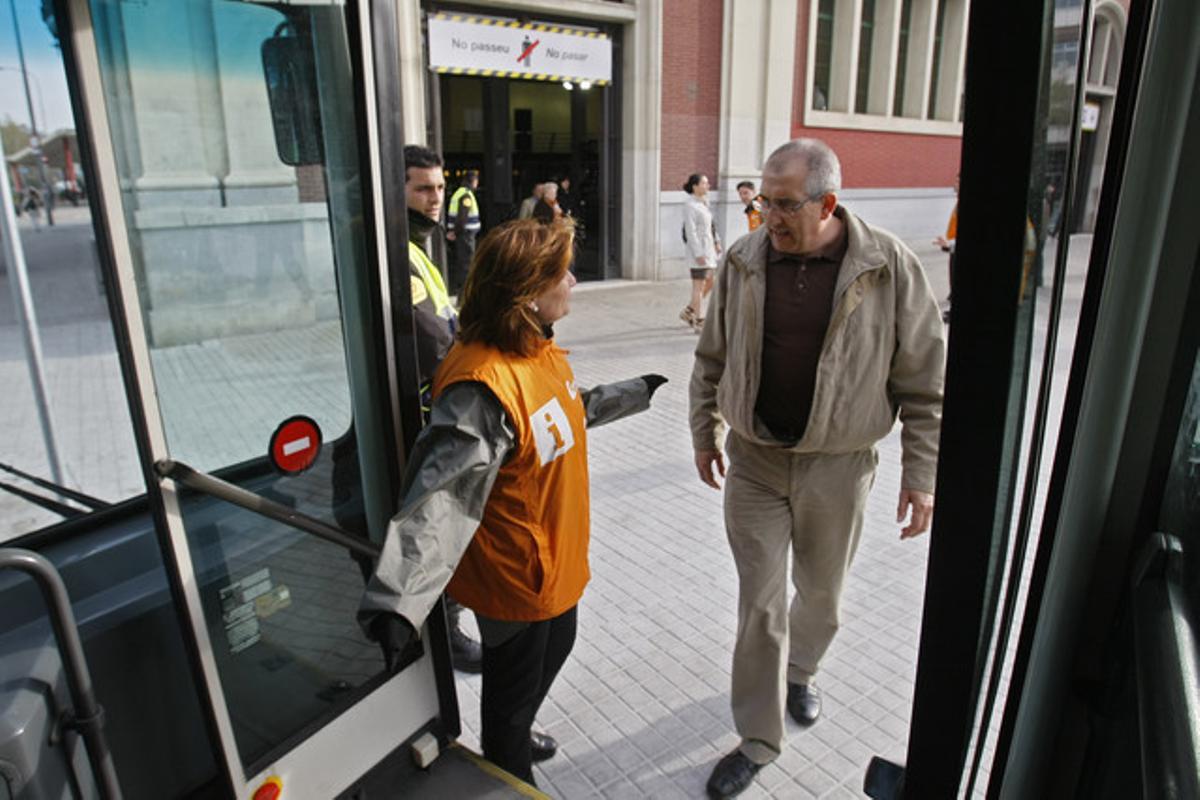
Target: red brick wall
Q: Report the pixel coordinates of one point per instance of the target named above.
(874, 159)
(691, 100)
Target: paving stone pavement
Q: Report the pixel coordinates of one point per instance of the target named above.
(641, 707)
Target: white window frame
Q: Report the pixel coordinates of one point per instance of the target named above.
(884, 55)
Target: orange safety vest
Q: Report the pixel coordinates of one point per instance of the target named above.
(754, 217)
(528, 560)
(952, 225)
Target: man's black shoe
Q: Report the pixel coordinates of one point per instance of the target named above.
(731, 776)
(465, 653)
(542, 746)
(803, 703)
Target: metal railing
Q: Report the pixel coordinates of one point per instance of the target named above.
(1167, 673)
(86, 716)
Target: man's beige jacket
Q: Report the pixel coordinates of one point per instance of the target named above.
(883, 355)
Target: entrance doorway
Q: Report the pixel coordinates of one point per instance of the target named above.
(520, 133)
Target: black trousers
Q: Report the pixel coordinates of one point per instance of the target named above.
(516, 677)
(461, 251)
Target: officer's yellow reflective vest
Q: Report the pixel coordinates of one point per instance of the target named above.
(473, 223)
(430, 283)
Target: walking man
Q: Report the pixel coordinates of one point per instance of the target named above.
(754, 215)
(820, 330)
(464, 227)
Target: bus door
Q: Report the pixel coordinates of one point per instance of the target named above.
(234, 163)
(1058, 652)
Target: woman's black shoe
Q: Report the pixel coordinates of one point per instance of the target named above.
(542, 746)
(465, 653)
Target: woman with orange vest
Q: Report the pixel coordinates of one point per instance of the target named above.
(495, 504)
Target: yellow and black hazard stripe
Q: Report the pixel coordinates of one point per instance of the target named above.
(509, 73)
(527, 26)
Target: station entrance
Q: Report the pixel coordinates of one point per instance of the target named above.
(523, 129)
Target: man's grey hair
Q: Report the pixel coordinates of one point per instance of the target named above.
(823, 170)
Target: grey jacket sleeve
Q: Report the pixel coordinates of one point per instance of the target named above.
(451, 472)
(613, 401)
(917, 374)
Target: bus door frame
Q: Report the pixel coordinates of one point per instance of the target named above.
(333, 757)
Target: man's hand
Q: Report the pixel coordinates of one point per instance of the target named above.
(922, 512)
(394, 634)
(704, 466)
(700, 262)
(450, 236)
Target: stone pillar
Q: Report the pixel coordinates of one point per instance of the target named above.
(164, 131)
(255, 175)
(758, 58)
(641, 77)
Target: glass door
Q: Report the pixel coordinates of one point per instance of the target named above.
(232, 153)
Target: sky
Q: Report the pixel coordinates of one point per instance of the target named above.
(47, 82)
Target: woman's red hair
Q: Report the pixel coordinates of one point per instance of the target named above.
(513, 265)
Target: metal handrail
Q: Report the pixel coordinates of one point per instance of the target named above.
(88, 716)
(243, 498)
(1168, 673)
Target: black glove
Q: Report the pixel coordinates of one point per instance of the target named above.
(653, 381)
(395, 634)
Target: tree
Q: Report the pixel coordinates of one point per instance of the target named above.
(14, 135)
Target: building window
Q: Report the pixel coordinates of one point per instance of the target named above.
(902, 56)
(824, 51)
(894, 65)
(938, 41)
(866, 29)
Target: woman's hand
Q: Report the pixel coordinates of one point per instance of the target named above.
(394, 634)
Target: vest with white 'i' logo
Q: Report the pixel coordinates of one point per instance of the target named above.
(529, 558)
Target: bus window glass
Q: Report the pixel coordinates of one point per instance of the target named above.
(231, 246)
(241, 263)
(77, 436)
(1064, 182)
(1180, 514)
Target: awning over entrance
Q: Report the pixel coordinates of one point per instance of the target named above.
(490, 47)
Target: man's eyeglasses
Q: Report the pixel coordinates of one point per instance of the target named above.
(785, 207)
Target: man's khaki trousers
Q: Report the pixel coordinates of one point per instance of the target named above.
(776, 500)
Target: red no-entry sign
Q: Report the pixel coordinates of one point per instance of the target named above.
(295, 444)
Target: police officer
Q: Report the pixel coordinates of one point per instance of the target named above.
(435, 319)
(464, 227)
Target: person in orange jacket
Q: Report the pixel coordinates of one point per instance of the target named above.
(947, 243)
(495, 504)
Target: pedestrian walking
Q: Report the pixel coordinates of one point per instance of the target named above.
(703, 246)
(821, 329)
(547, 208)
(32, 205)
(947, 243)
(753, 210)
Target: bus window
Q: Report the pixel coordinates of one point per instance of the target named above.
(231, 247)
(72, 450)
(242, 265)
(1180, 515)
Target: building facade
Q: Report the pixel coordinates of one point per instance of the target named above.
(708, 87)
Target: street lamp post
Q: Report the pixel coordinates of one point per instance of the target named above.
(18, 281)
(37, 87)
(35, 141)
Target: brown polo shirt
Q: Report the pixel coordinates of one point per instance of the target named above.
(799, 303)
